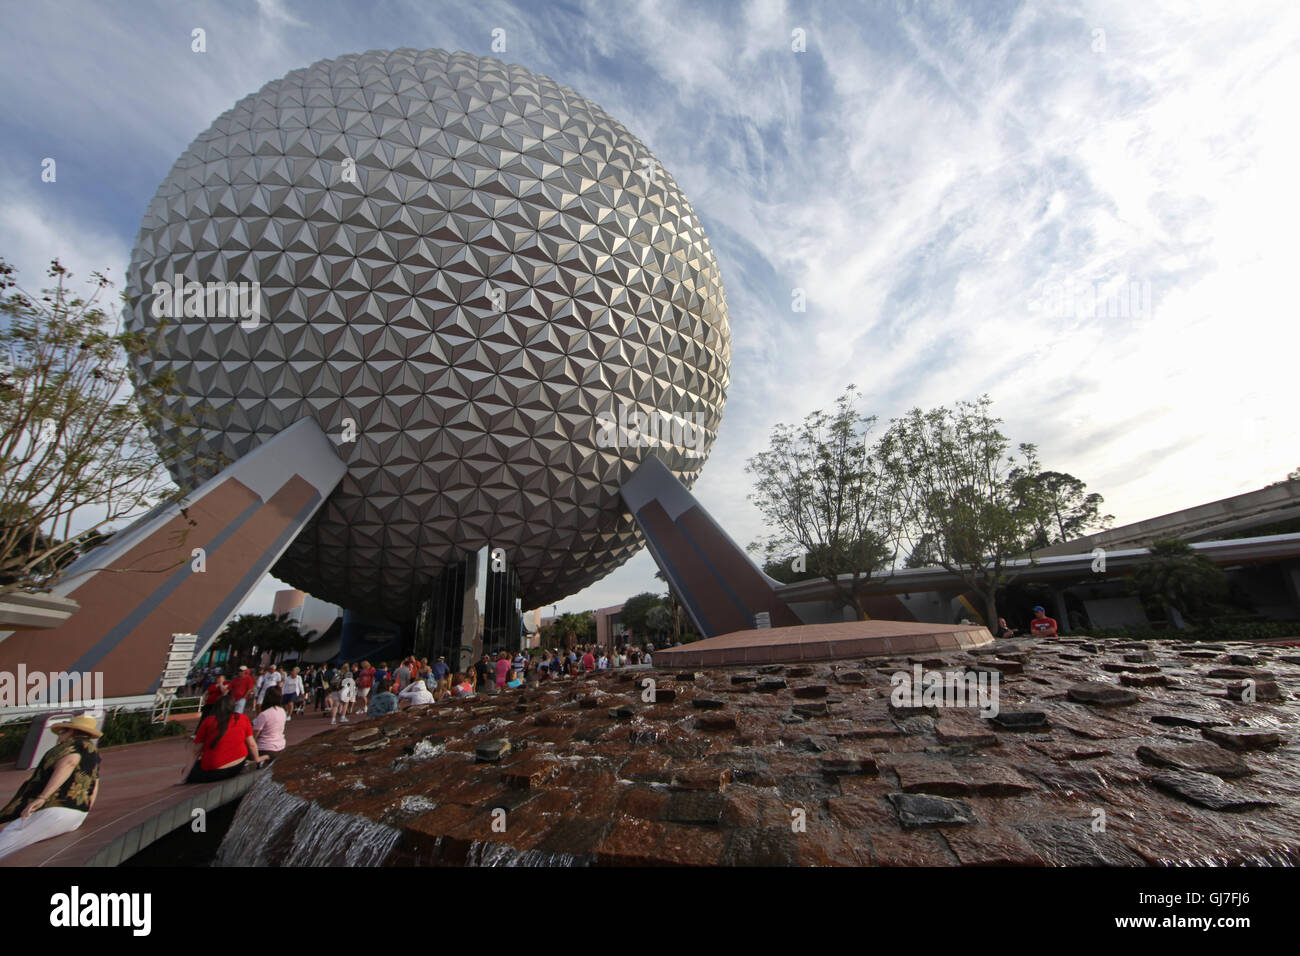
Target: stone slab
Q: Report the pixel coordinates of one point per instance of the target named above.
(817, 642)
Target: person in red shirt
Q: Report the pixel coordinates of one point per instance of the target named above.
(588, 661)
(240, 688)
(222, 744)
(1042, 625)
(365, 681)
(215, 692)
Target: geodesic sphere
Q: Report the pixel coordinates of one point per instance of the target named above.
(469, 263)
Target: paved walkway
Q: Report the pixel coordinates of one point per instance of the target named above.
(140, 799)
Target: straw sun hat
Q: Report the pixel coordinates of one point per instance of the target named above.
(83, 723)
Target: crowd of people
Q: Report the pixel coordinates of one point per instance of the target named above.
(244, 717)
(228, 739)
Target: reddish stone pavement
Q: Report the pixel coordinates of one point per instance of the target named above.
(1101, 753)
(140, 799)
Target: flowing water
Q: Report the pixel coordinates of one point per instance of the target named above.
(499, 854)
(1277, 857)
(566, 754)
(274, 827)
(273, 824)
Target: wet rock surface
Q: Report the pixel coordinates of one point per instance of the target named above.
(1198, 721)
(1242, 738)
(1102, 695)
(1207, 790)
(1020, 719)
(925, 811)
(822, 770)
(1201, 758)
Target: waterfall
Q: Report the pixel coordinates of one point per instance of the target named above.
(500, 854)
(326, 838)
(274, 827)
(265, 810)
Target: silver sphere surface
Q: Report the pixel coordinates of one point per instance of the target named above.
(468, 270)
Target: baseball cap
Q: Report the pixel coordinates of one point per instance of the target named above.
(1039, 607)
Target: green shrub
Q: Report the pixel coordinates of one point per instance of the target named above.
(129, 727)
(12, 736)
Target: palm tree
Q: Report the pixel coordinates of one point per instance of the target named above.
(675, 605)
(262, 632)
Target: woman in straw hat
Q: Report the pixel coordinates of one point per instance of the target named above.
(60, 791)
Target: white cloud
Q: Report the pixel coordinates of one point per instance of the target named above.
(37, 227)
(925, 175)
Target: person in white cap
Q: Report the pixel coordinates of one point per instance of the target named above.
(58, 795)
(241, 687)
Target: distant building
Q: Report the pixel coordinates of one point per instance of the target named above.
(313, 616)
(608, 624)
(1254, 537)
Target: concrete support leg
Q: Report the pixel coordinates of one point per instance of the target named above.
(182, 571)
(1059, 612)
(1291, 576)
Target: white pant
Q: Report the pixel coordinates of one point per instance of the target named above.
(239, 705)
(41, 825)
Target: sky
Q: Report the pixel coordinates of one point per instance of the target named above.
(1085, 210)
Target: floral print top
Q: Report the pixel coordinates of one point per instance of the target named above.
(74, 794)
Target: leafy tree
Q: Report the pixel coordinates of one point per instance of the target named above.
(269, 633)
(75, 454)
(923, 553)
(636, 611)
(1069, 511)
(1175, 575)
(58, 555)
(787, 570)
(822, 492)
(659, 619)
(961, 494)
